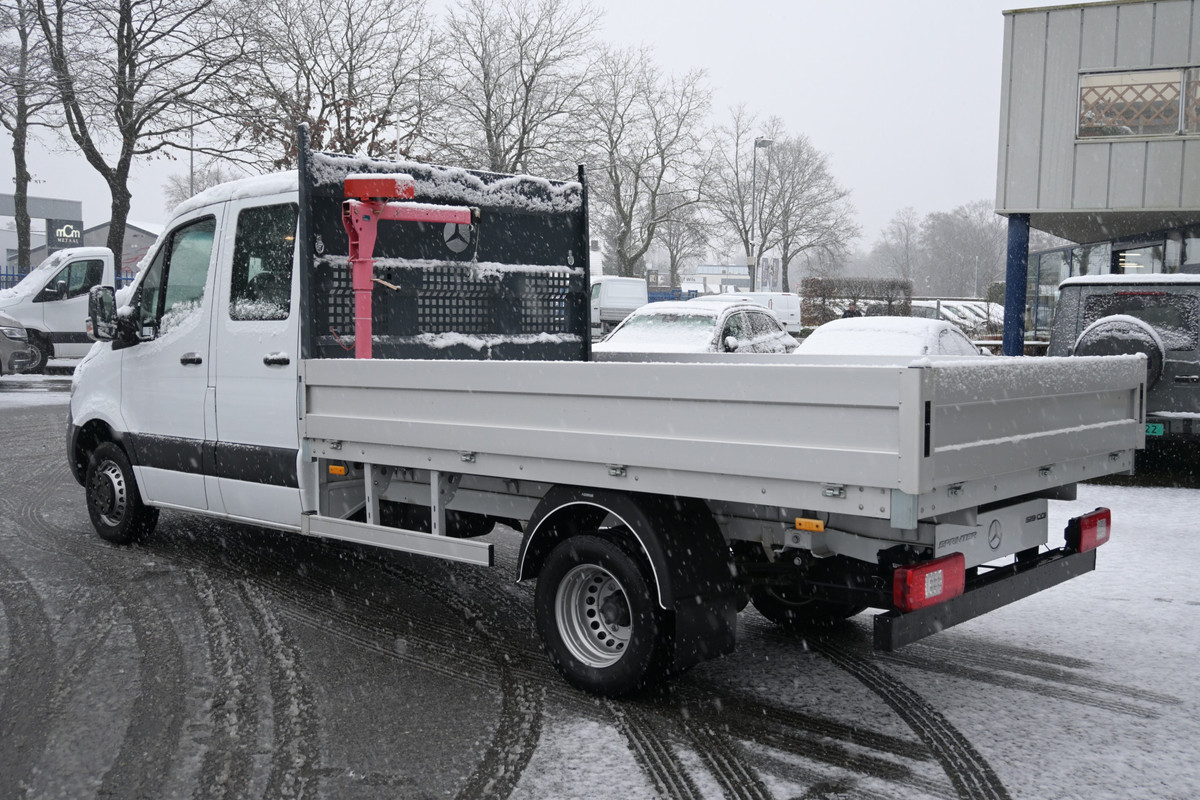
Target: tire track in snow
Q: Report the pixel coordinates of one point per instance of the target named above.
(152, 737)
(25, 695)
(294, 753)
(968, 770)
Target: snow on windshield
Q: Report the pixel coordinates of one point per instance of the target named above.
(32, 281)
(663, 332)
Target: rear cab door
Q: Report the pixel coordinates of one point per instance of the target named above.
(256, 361)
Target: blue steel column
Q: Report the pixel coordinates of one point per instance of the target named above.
(1015, 278)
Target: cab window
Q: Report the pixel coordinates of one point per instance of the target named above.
(174, 284)
(261, 281)
(79, 277)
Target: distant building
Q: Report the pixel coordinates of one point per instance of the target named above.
(8, 241)
(715, 278)
(139, 238)
(1100, 140)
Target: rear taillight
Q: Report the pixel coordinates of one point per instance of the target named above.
(921, 585)
(1089, 531)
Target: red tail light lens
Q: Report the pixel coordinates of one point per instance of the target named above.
(1089, 531)
(927, 584)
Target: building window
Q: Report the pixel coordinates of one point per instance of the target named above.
(1144, 103)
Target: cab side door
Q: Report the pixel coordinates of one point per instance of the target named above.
(167, 400)
(256, 362)
(64, 306)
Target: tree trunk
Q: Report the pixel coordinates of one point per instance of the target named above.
(21, 192)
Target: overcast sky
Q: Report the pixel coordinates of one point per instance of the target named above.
(903, 97)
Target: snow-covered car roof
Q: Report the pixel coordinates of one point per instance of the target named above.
(675, 326)
(887, 336)
(1184, 278)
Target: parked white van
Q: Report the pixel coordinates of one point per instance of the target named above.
(52, 302)
(785, 305)
(614, 299)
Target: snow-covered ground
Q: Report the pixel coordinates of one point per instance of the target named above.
(1089, 690)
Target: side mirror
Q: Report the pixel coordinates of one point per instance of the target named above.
(731, 344)
(62, 290)
(102, 313)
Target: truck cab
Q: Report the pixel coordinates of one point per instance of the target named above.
(199, 376)
(52, 302)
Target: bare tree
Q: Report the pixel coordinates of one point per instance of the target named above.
(363, 74)
(804, 208)
(25, 97)
(965, 249)
(180, 187)
(517, 69)
(127, 74)
(737, 191)
(899, 250)
(648, 130)
(683, 234)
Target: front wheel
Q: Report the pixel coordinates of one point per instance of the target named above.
(39, 353)
(599, 618)
(114, 504)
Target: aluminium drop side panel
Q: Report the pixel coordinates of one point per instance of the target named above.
(995, 419)
(754, 432)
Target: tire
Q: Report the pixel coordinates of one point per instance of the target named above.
(800, 614)
(40, 351)
(114, 504)
(1123, 335)
(790, 609)
(599, 619)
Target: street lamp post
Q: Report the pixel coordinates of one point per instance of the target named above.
(752, 256)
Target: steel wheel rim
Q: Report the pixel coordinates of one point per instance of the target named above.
(593, 615)
(108, 493)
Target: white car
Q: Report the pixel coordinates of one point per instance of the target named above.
(785, 305)
(687, 327)
(888, 336)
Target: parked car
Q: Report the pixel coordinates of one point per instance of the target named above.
(1157, 316)
(888, 336)
(785, 305)
(14, 346)
(691, 327)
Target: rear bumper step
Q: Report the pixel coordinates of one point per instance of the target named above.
(983, 594)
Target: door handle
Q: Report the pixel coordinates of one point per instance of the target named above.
(1187, 379)
(276, 359)
(188, 359)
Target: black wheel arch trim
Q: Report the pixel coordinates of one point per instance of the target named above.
(678, 536)
(689, 558)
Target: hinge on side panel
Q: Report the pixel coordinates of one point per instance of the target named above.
(954, 490)
(833, 490)
(466, 456)
(616, 470)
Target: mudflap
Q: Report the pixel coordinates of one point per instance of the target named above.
(705, 627)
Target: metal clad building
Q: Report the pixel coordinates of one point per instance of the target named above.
(1100, 139)
(1089, 165)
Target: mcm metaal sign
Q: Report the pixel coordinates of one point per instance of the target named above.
(63, 233)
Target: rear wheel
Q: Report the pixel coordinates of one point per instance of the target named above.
(114, 504)
(789, 610)
(789, 607)
(599, 618)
